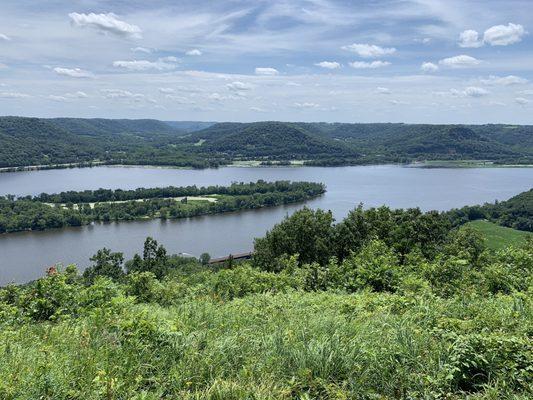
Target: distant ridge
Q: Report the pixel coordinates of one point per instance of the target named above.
(40, 141)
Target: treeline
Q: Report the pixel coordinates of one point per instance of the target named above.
(385, 304)
(91, 196)
(517, 212)
(80, 208)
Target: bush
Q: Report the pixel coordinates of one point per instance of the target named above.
(375, 267)
(244, 280)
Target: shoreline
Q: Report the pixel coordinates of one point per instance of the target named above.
(259, 164)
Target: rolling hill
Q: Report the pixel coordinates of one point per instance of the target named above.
(36, 141)
(267, 139)
(144, 128)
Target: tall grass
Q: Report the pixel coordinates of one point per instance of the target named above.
(292, 345)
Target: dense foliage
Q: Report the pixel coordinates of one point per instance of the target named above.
(517, 212)
(37, 141)
(48, 142)
(77, 208)
(337, 144)
(402, 314)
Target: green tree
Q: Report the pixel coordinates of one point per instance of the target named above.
(204, 258)
(105, 263)
(374, 267)
(307, 232)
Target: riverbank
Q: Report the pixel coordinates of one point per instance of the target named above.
(464, 164)
(275, 163)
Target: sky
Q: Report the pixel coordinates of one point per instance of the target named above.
(413, 61)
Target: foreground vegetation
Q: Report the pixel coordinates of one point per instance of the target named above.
(78, 208)
(385, 304)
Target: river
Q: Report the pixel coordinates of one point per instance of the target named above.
(25, 255)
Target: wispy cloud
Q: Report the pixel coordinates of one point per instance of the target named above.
(369, 65)
(369, 50)
(13, 95)
(73, 72)
(328, 64)
(106, 23)
(266, 71)
(162, 64)
(504, 80)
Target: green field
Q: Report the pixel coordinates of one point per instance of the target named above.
(499, 236)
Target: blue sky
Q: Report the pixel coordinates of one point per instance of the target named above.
(431, 61)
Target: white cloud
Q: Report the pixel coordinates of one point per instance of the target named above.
(239, 86)
(460, 61)
(470, 38)
(13, 95)
(194, 52)
(4, 37)
(120, 94)
(73, 72)
(106, 23)
(383, 90)
(369, 65)
(266, 71)
(258, 109)
(398, 102)
(306, 105)
(162, 64)
(166, 90)
(328, 64)
(179, 99)
(170, 59)
(503, 80)
(503, 35)
(141, 50)
(76, 95)
(369, 50)
(474, 91)
(429, 67)
(216, 96)
(521, 101)
(57, 98)
(498, 35)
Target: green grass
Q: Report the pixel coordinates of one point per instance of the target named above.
(498, 236)
(285, 346)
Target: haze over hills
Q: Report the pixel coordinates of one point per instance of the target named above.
(38, 141)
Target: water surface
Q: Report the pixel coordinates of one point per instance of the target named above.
(24, 256)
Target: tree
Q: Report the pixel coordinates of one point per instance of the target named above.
(307, 233)
(204, 258)
(107, 264)
(155, 259)
(374, 267)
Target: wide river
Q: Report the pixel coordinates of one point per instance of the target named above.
(24, 256)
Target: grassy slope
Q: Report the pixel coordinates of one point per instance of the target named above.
(285, 346)
(498, 236)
